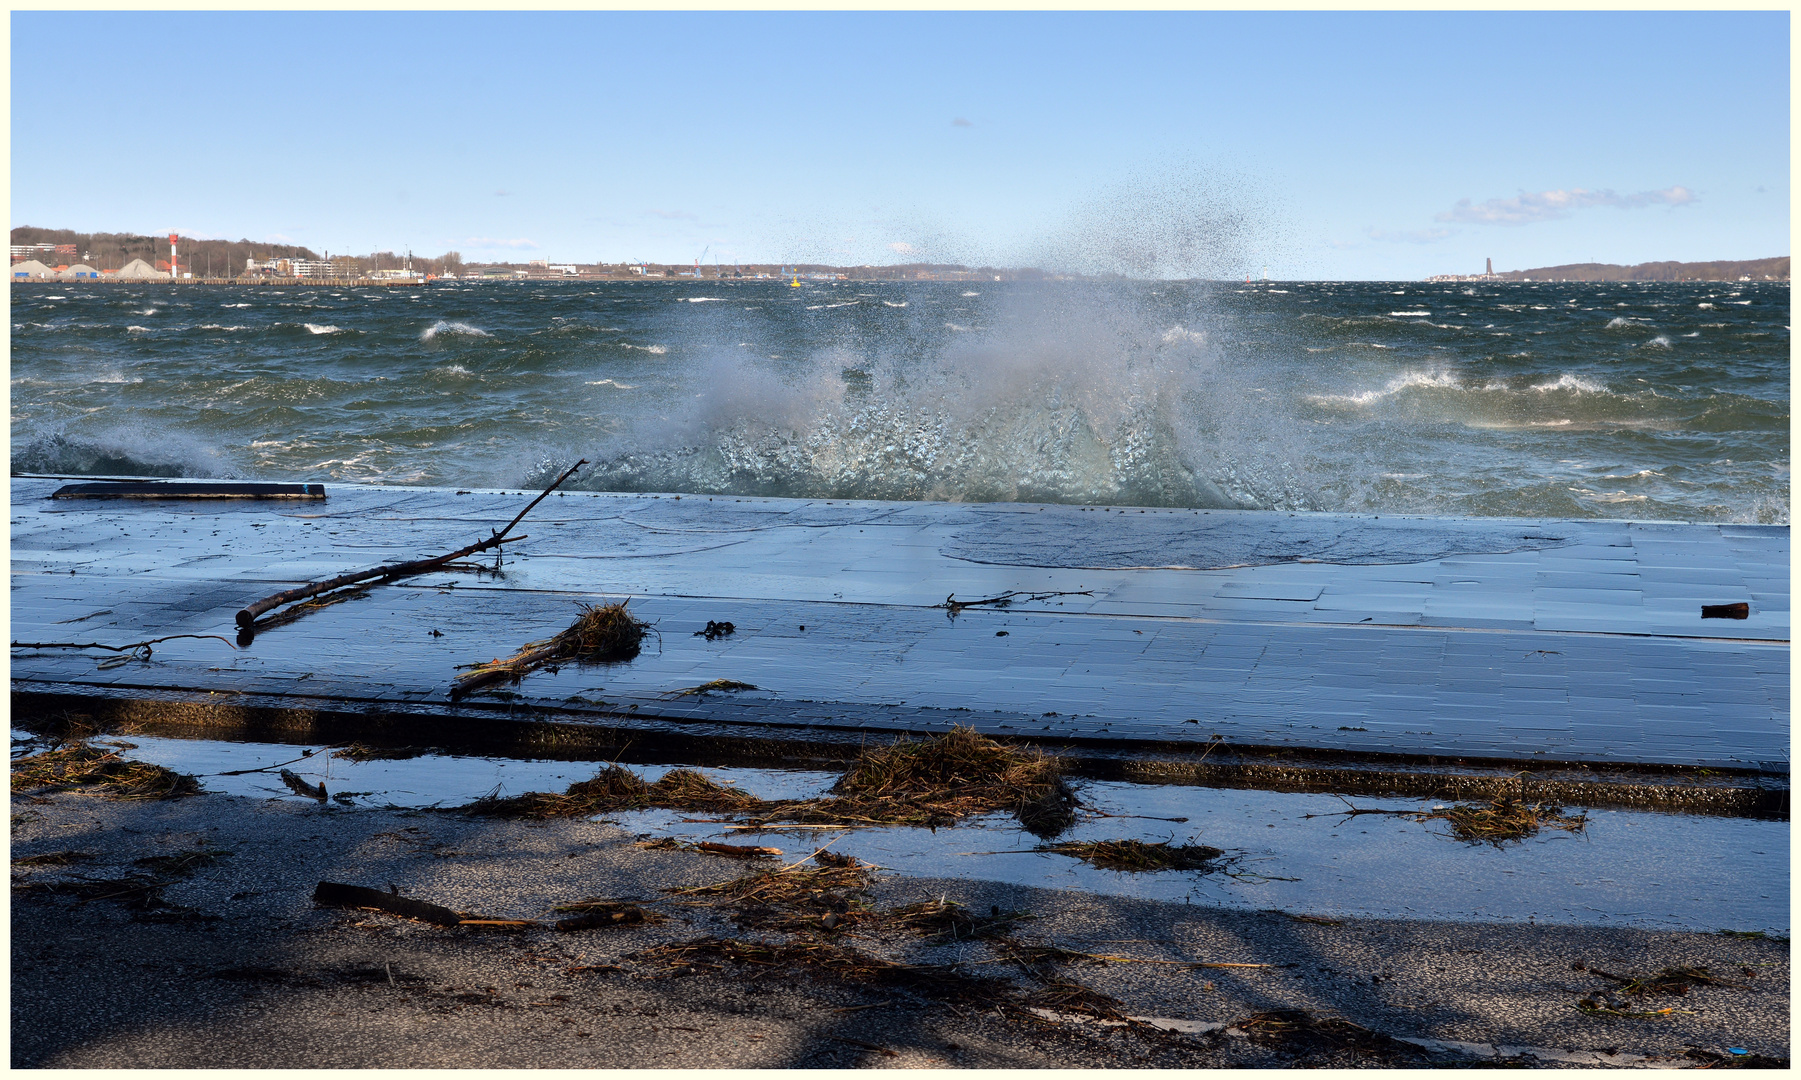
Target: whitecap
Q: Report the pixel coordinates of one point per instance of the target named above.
(1409, 314)
(1177, 334)
(325, 328)
(614, 385)
(455, 369)
(460, 329)
(958, 329)
(972, 294)
(703, 299)
(654, 350)
(137, 329)
(1658, 342)
(1435, 380)
(237, 305)
(1567, 381)
(216, 326)
(1619, 321)
(891, 303)
(56, 298)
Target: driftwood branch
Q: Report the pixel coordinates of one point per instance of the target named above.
(133, 647)
(952, 605)
(247, 617)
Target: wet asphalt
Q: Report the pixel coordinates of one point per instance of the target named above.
(239, 969)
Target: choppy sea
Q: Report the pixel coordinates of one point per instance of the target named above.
(1641, 400)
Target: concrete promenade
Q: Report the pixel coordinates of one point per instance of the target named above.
(1501, 639)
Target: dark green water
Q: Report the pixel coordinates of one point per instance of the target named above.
(1590, 400)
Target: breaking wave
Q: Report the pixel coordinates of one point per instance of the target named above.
(1084, 405)
(454, 329)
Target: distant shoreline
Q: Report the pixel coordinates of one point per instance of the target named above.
(1772, 269)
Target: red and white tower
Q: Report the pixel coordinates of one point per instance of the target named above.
(173, 264)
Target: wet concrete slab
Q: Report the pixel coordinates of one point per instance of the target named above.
(1515, 640)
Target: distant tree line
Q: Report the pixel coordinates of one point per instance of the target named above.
(1757, 269)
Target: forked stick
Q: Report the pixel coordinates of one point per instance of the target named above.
(247, 617)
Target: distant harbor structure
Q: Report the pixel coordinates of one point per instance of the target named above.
(1488, 274)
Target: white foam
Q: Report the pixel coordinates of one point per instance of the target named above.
(1432, 380)
(972, 294)
(891, 303)
(236, 305)
(703, 299)
(216, 326)
(137, 329)
(1178, 335)
(455, 369)
(614, 385)
(318, 328)
(459, 329)
(958, 329)
(1567, 381)
(1658, 342)
(654, 350)
(1409, 314)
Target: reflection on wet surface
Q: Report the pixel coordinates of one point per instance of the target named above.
(1627, 868)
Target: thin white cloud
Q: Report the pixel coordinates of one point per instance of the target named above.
(1411, 236)
(960, 122)
(901, 248)
(491, 242)
(502, 193)
(1528, 208)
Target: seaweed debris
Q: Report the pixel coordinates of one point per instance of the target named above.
(715, 687)
(139, 892)
(940, 981)
(686, 789)
(938, 781)
(613, 788)
(715, 630)
(52, 858)
(358, 751)
(946, 920)
(1299, 1032)
(602, 633)
(793, 898)
(1137, 856)
(597, 914)
(90, 770)
(1671, 981)
(1503, 821)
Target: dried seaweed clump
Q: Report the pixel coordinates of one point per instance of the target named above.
(613, 788)
(793, 899)
(1136, 856)
(91, 770)
(946, 920)
(939, 781)
(603, 633)
(686, 789)
(1504, 821)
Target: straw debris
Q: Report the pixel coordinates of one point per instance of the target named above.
(686, 789)
(90, 770)
(938, 781)
(604, 634)
(1503, 821)
(1137, 856)
(946, 921)
(612, 789)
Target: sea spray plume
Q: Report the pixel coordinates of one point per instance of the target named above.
(1069, 392)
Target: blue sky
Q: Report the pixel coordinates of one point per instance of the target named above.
(1318, 144)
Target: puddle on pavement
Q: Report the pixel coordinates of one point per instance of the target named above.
(1629, 868)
